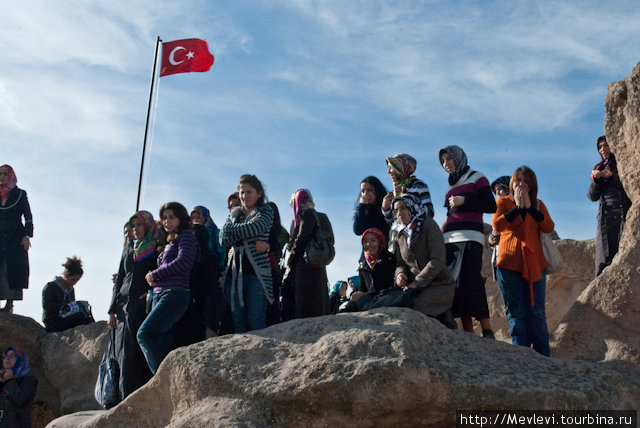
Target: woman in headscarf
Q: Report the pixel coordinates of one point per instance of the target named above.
(400, 168)
(128, 302)
(500, 188)
(521, 273)
(606, 187)
(420, 259)
(17, 389)
(310, 283)
(14, 238)
(377, 270)
(469, 196)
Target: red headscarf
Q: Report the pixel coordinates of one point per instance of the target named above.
(371, 258)
(5, 189)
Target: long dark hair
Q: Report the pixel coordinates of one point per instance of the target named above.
(381, 191)
(253, 181)
(183, 215)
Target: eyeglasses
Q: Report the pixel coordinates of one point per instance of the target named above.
(5, 356)
(369, 241)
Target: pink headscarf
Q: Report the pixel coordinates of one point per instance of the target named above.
(300, 201)
(5, 189)
(371, 258)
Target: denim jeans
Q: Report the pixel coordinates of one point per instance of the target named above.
(253, 316)
(527, 324)
(156, 335)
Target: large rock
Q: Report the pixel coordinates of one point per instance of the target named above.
(388, 367)
(66, 364)
(603, 322)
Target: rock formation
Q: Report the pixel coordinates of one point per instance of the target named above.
(66, 364)
(603, 322)
(388, 367)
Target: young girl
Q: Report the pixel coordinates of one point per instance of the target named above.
(170, 282)
(468, 197)
(519, 219)
(369, 209)
(57, 293)
(248, 281)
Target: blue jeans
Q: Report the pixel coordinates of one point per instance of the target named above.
(156, 335)
(253, 316)
(527, 324)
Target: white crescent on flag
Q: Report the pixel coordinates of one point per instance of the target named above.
(173, 52)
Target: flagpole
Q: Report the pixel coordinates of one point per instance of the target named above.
(146, 128)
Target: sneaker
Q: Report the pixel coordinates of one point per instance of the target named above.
(488, 334)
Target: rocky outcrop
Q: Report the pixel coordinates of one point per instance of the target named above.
(66, 364)
(603, 322)
(388, 367)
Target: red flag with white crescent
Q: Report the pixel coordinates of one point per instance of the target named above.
(185, 56)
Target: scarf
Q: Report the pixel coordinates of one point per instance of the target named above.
(5, 189)
(459, 159)
(372, 258)
(146, 247)
(502, 182)
(21, 367)
(404, 165)
(413, 229)
(609, 163)
(206, 215)
(300, 201)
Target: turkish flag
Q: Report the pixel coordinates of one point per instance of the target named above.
(184, 56)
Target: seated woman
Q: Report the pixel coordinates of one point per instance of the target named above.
(58, 293)
(420, 259)
(377, 270)
(17, 389)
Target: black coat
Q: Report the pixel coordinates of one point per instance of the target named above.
(12, 230)
(130, 311)
(612, 212)
(379, 278)
(16, 405)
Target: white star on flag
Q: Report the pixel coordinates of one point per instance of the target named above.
(190, 55)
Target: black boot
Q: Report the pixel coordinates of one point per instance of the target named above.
(446, 318)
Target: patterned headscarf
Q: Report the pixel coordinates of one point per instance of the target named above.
(413, 229)
(300, 201)
(5, 189)
(21, 367)
(502, 181)
(206, 215)
(404, 165)
(459, 159)
(144, 248)
(371, 258)
(610, 163)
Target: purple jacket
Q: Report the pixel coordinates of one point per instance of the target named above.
(175, 263)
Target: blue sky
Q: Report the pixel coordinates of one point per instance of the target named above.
(303, 94)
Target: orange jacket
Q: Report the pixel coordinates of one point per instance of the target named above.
(519, 247)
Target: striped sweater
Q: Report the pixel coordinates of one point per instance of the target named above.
(420, 189)
(242, 235)
(464, 222)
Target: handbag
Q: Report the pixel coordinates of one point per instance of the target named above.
(80, 308)
(107, 391)
(551, 253)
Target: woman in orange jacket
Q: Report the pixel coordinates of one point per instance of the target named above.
(519, 218)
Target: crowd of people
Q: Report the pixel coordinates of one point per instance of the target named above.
(181, 278)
